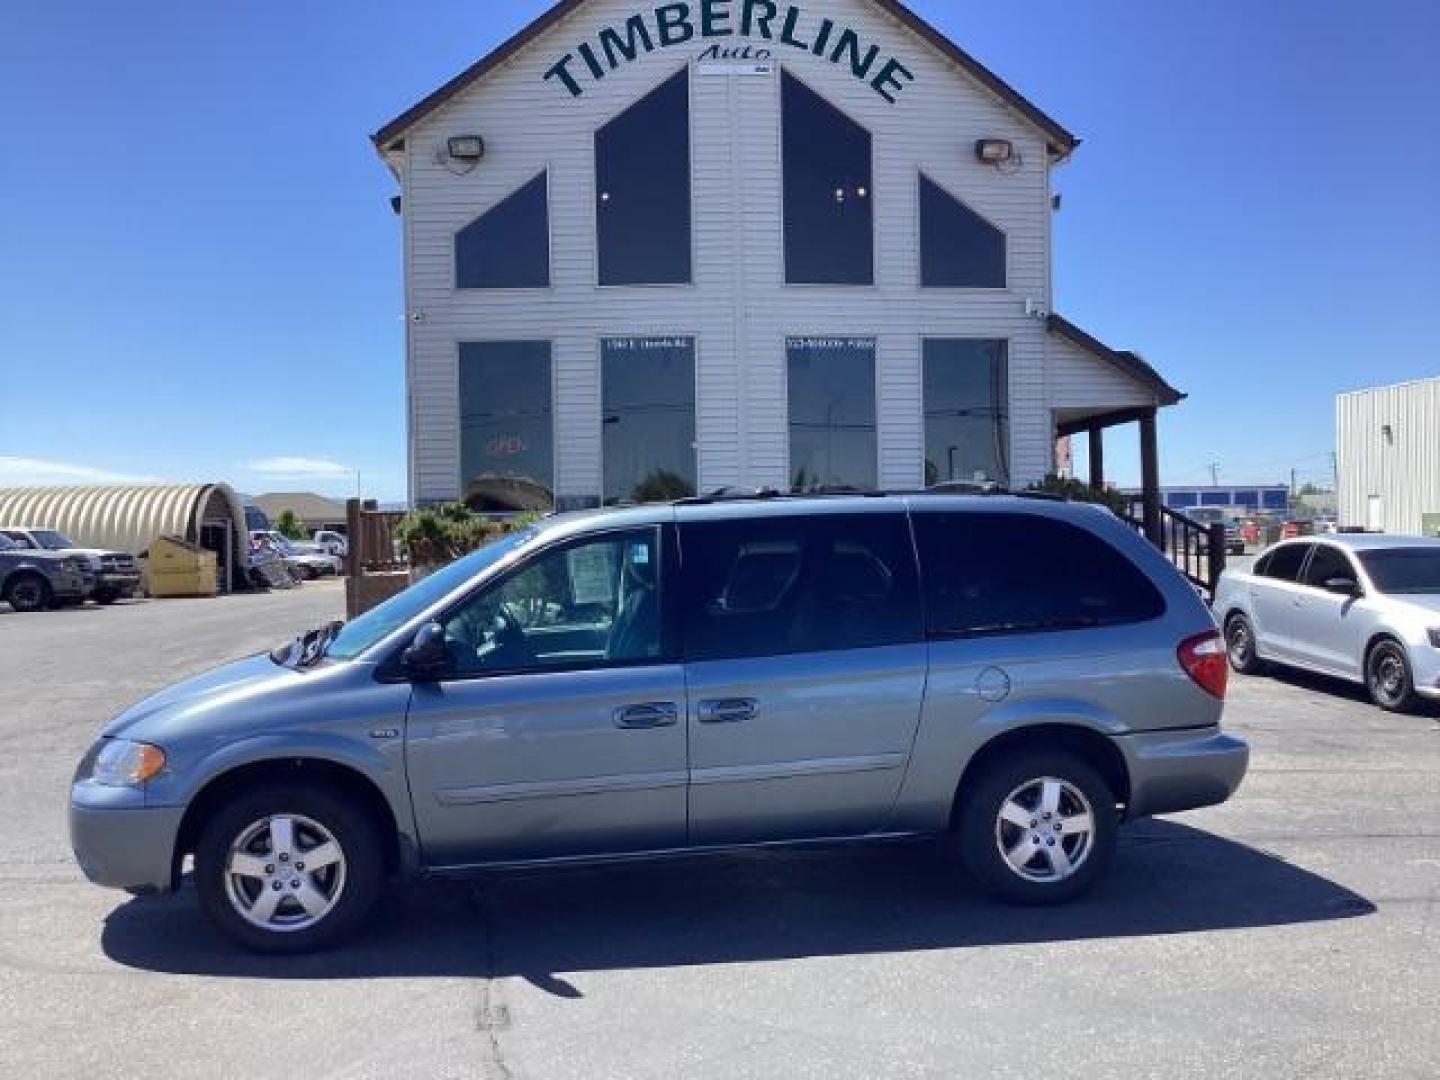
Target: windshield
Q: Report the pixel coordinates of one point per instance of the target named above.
(1404, 570)
(378, 623)
(51, 540)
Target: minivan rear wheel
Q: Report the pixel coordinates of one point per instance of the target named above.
(290, 869)
(1037, 828)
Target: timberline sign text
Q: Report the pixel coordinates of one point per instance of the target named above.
(688, 21)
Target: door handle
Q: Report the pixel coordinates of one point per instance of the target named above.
(654, 714)
(728, 710)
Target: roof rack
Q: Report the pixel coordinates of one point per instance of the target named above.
(764, 494)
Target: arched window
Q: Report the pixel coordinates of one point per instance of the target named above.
(642, 189)
(829, 194)
(959, 249)
(508, 247)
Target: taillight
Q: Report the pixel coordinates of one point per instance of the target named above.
(1203, 658)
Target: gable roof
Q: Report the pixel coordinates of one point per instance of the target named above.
(1061, 141)
(1128, 363)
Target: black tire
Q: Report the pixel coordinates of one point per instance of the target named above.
(1389, 679)
(1240, 646)
(27, 592)
(351, 827)
(979, 832)
(105, 596)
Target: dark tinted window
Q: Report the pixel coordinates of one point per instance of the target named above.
(649, 411)
(967, 401)
(1329, 562)
(989, 573)
(508, 247)
(832, 414)
(1284, 562)
(958, 247)
(829, 196)
(506, 428)
(642, 190)
(772, 586)
(1414, 571)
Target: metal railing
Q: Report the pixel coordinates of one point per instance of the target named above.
(1197, 550)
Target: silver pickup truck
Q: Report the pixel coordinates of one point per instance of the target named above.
(116, 573)
(33, 580)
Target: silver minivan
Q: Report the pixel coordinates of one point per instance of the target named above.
(1014, 675)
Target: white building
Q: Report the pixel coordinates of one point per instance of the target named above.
(1388, 445)
(654, 250)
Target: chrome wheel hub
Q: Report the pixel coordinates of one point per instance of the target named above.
(1045, 830)
(284, 873)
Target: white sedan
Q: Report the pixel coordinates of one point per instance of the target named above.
(1361, 608)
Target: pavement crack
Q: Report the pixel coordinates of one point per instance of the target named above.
(492, 1013)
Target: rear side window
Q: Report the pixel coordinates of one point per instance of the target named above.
(1284, 563)
(1329, 562)
(987, 573)
(776, 586)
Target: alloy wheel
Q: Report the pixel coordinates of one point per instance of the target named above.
(1045, 830)
(285, 873)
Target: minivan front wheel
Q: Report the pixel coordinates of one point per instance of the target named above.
(1037, 828)
(289, 869)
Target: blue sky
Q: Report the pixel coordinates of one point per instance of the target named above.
(200, 274)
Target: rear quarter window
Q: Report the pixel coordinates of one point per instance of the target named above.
(991, 573)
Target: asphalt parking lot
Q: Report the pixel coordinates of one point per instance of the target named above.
(1292, 932)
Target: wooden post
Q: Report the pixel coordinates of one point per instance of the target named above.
(355, 558)
(1097, 458)
(1150, 478)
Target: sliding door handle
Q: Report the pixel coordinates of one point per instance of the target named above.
(728, 711)
(654, 714)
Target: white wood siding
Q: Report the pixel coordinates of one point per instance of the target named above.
(739, 309)
(1081, 380)
(1401, 470)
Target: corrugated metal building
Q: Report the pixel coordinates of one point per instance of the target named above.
(130, 518)
(650, 251)
(1388, 442)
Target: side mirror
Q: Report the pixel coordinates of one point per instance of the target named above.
(428, 658)
(1343, 586)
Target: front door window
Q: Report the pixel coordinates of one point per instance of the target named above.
(590, 604)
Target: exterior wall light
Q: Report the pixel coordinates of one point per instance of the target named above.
(994, 151)
(467, 148)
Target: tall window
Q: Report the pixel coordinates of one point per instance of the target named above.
(508, 247)
(958, 247)
(832, 414)
(506, 427)
(967, 415)
(829, 193)
(642, 190)
(649, 414)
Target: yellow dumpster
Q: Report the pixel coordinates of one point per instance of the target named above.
(179, 568)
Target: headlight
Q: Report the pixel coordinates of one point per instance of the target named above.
(1435, 636)
(122, 763)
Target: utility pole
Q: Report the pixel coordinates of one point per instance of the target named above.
(1214, 474)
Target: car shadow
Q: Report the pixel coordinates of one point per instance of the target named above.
(1167, 879)
(1317, 683)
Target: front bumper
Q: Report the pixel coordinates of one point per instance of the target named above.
(70, 583)
(1171, 771)
(120, 842)
(120, 582)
